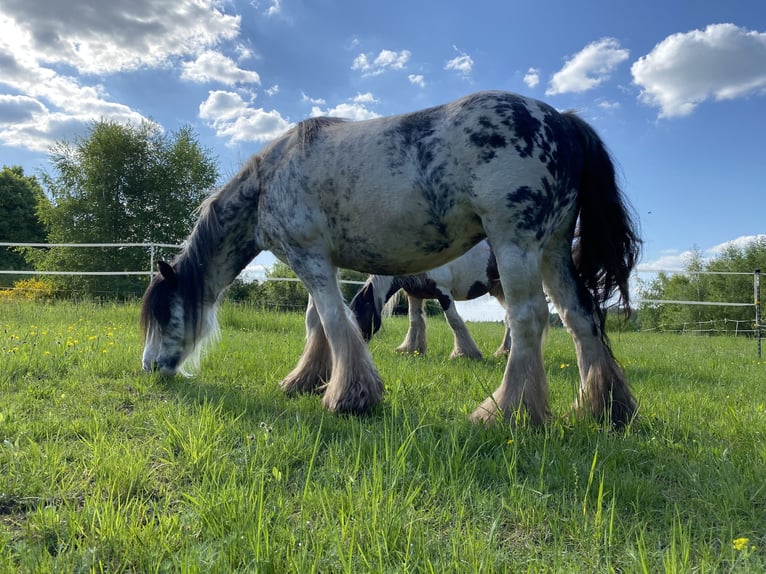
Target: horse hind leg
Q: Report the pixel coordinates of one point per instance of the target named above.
(315, 365)
(604, 391)
(523, 391)
(415, 340)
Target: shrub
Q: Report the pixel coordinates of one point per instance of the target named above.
(32, 289)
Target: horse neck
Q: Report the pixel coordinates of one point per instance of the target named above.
(222, 242)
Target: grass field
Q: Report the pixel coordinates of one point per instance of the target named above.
(104, 468)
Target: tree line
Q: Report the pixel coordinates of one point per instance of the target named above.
(127, 183)
(700, 282)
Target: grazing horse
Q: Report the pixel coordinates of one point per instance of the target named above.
(469, 276)
(402, 194)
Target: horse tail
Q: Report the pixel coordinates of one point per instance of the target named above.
(606, 244)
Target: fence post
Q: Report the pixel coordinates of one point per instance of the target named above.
(151, 261)
(757, 297)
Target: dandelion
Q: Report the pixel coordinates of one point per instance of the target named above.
(740, 544)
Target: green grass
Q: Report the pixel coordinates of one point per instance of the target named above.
(104, 468)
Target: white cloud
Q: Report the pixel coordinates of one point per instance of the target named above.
(463, 64)
(384, 61)
(608, 105)
(232, 118)
(366, 98)
(720, 62)
(350, 111)
(275, 8)
(417, 80)
(673, 259)
(18, 109)
(314, 101)
(532, 77)
(739, 243)
(215, 67)
(52, 106)
(273, 90)
(113, 36)
(39, 38)
(589, 68)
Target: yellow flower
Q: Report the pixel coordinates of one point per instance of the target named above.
(740, 544)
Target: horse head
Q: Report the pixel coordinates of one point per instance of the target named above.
(173, 321)
(366, 310)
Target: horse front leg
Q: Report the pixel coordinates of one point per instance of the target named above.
(354, 385)
(315, 365)
(415, 340)
(505, 345)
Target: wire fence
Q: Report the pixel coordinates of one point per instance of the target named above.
(740, 327)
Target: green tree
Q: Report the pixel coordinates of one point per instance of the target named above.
(121, 183)
(19, 196)
(289, 295)
(283, 295)
(692, 286)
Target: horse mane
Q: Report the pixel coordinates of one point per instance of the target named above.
(308, 130)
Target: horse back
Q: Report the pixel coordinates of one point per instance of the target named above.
(405, 193)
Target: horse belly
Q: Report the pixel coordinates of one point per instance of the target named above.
(396, 241)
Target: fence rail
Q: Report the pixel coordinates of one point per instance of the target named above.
(757, 325)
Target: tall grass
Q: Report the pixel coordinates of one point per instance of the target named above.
(107, 469)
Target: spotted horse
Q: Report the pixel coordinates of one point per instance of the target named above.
(402, 194)
(471, 275)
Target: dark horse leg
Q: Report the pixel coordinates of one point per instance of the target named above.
(415, 339)
(464, 345)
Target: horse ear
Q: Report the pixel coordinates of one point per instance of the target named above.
(168, 273)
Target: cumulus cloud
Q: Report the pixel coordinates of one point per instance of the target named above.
(234, 119)
(354, 109)
(39, 38)
(366, 98)
(721, 62)
(463, 63)
(532, 77)
(589, 68)
(674, 259)
(215, 67)
(417, 80)
(115, 36)
(384, 61)
(315, 101)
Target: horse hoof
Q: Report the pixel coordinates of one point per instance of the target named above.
(302, 385)
(486, 413)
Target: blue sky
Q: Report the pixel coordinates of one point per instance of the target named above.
(676, 89)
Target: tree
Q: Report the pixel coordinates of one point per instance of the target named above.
(121, 183)
(289, 295)
(690, 286)
(19, 196)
